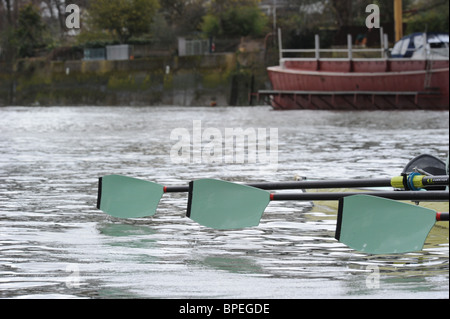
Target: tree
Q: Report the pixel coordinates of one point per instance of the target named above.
(431, 16)
(343, 11)
(234, 18)
(183, 16)
(125, 18)
(211, 25)
(29, 32)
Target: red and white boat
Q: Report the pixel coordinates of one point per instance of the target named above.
(413, 76)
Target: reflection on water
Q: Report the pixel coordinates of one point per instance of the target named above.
(54, 243)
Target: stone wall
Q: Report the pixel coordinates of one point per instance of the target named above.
(222, 79)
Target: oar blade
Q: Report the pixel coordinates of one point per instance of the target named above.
(382, 226)
(127, 197)
(223, 205)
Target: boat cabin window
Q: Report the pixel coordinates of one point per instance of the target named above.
(438, 41)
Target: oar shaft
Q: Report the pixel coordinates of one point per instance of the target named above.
(351, 183)
(442, 217)
(324, 184)
(435, 180)
(413, 196)
(176, 189)
(397, 182)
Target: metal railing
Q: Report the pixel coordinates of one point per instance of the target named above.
(349, 51)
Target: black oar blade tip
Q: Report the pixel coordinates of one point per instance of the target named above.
(99, 195)
(337, 234)
(189, 204)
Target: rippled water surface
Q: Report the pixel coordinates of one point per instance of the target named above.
(54, 243)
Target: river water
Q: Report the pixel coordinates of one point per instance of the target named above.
(54, 243)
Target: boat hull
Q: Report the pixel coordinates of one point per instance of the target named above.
(360, 85)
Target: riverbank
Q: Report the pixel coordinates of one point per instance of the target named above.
(216, 79)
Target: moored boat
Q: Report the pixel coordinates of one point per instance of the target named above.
(415, 80)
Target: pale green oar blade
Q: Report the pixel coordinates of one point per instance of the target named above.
(382, 226)
(224, 205)
(127, 197)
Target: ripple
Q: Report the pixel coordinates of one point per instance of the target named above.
(51, 158)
